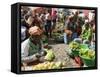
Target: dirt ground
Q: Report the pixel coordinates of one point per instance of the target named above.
(61, 51)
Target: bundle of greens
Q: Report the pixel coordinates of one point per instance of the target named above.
(50, 55)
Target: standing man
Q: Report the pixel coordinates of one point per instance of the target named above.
(48, 24)
(54, 17)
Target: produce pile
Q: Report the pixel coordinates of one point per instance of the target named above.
(49, 65)
(84, 52)
(88, 57)
(58, 37)
(49, 62)
(75, 48)
(74, 45)
(88, 54)
(50, 55)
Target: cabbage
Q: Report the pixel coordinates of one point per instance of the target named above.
(50, 55)
(74, 45)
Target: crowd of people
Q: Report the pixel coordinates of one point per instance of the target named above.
(80, 27)
(43, 19)
(35, 23)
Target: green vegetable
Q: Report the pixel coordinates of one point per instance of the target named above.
(74, 45)
(88, 57)
(87, 54)
(86, 33)
(50, 55)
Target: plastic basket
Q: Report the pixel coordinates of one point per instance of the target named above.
(88, 62)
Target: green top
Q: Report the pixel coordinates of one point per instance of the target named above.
(34, 48)
(86, 33)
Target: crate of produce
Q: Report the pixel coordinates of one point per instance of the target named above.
(88, 57)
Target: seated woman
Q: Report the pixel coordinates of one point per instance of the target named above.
(70, 30)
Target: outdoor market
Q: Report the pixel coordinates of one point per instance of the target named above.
(57, 38)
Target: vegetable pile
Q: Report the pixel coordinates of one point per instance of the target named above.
(88, 57)
(87, 54)
(74, 45)
(50, 55)
(84, 52)
(48, 65)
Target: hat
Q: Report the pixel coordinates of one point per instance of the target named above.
(33, 30)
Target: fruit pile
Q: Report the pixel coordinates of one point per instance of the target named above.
(48, 65)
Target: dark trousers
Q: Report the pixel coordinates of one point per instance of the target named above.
(48, 28)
